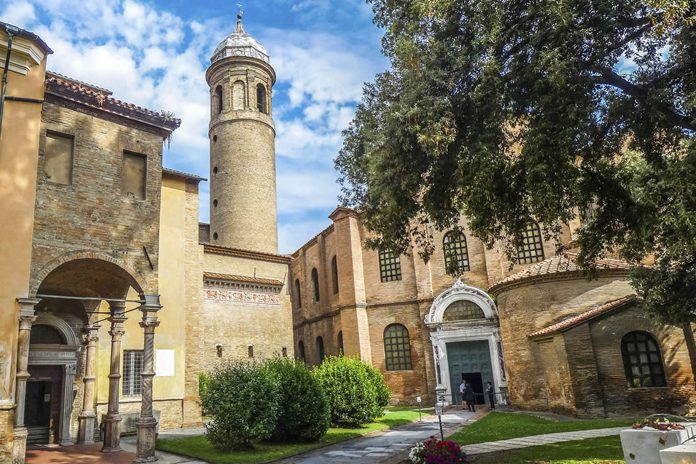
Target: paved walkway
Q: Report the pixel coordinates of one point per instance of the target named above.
(536, 440)
(383, 447)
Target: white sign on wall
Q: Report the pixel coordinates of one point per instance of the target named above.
(164, 363)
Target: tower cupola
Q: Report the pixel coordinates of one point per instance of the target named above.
(239, 43)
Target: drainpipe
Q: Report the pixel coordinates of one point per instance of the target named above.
(10, 33)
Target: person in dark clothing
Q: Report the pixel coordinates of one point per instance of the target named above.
(469, 397)
(491, 394)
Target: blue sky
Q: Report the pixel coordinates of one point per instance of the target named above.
(154, 54)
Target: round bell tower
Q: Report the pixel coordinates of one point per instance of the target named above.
(243, 210)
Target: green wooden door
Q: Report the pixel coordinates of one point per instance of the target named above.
(471, 360)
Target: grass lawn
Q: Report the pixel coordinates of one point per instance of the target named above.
(198, 447)
(604, 450)
(504, 425)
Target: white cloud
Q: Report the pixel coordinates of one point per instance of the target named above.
(19, 13)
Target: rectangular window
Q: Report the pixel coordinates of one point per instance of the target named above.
(250, 351)
(58, 158)
(132, 370)
(134, 176)
(389, 266)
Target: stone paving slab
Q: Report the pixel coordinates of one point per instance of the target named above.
(536, 440)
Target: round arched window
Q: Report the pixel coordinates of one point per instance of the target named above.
(463, 310)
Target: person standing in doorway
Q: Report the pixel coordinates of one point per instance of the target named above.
(462, 387)
(491, 394)
(469, 397)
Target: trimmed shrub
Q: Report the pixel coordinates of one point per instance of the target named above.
(355, 390)
(303, 411)
(243, 400)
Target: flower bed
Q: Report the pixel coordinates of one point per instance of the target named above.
(434, 451)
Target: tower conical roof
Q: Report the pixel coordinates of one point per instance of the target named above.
(239, 43)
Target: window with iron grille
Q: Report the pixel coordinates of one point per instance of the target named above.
(132, 370)
(642, 360)
(463, 310)
(397, 348)
(389, 266)
(531, 249)
(456, 253)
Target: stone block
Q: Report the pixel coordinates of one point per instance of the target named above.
(643, 446)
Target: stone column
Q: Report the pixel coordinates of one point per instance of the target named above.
(66, 412)
(26, 319)
(147, 424)
(112, 437)
(88, 414)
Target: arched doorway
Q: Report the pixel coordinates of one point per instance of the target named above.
(464, 332)
(53, 357)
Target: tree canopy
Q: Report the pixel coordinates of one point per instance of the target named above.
(513, 110)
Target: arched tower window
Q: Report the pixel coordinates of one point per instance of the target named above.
(334, 274)
(642, 360)
(261, 102)
(320, 349)
(218, 100)
(397, 348)
(301, 352)
(462, 310)
(238, 95)
(315, 284)
(339, 342)
(456, 253)
(298, 294)
(531, 250)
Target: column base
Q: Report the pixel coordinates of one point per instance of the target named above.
(19, 445)
(85, 435)
(112, 435)
(145, 451)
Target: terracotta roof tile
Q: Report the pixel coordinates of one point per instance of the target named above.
(559, 264)
(583, 317)
(101, 99)
(242, 279)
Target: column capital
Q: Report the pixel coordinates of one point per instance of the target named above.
(91, 334)
(151, 302)
(117, 306)
(149, 323)
(26, 308)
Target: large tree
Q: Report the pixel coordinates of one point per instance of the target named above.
(511, 110)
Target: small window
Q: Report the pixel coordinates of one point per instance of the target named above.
(456, 253)
(218, 100)
(301, 352)
(298, 294)
(334, 275)
(531, 250)
(389, 266)
(462, 310)
(315, 285)
(397, 348)
(58, 159)
(284, 352)
(134, 175)
(642, 360)
(250, 351)
(320, 349)
(215, 203)
(339, 342)
(132, 370)
(261, 98)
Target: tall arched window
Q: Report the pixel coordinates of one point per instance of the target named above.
(315, 284)
(462, 310)
(218, 99)
(45, 335)
(397, 348)
(320, 349)
(642, 360)
(261, 98)
(298, 294)
(531, 250)
(301, 352)
(238, 95)
(339, 342)
(456, 253)
(334, 274)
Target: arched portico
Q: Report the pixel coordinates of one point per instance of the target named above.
(463, 322)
